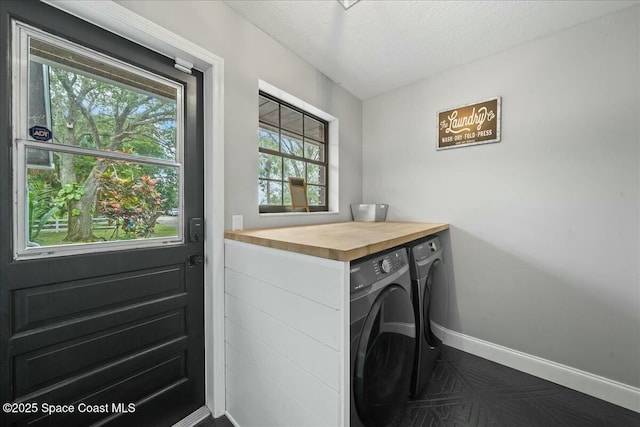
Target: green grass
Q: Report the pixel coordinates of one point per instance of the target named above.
(52, 238)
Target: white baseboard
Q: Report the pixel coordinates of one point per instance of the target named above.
(594, 385)
(230, 418)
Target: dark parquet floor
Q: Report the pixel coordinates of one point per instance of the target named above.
(218, 422)
(468, 391)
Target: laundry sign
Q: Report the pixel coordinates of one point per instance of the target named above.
(471, 124)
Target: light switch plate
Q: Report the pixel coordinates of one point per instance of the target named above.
(236, 222)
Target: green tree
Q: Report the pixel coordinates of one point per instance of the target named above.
(132, 204)
(42, 197)
(91, 113)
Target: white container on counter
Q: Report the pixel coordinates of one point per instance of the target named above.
(369, 211)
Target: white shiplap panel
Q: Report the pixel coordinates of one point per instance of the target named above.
(310, 391)
(250, 383)
(246, 413)
(318, 359)
(314, 278)
(345, 351)
(316, 320)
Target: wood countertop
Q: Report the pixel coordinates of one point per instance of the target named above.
(342, 241)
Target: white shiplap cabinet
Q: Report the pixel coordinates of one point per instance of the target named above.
(286, 338)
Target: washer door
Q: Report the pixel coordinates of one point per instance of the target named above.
(384, 359)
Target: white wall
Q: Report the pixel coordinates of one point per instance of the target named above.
(250, 55)
(544, 224)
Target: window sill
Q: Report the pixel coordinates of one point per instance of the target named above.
(298, 213)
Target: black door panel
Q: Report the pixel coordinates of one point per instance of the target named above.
(40, 306)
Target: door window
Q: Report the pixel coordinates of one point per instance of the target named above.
(97, 151)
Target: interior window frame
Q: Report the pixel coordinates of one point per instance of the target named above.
(265, 209)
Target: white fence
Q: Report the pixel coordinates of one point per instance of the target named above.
(60, 224)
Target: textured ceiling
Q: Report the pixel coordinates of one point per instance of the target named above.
(380, 45)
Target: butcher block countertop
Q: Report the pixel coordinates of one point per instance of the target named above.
(342, 241)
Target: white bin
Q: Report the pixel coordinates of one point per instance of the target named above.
(369, 212)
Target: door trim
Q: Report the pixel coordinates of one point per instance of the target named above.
(125, 23)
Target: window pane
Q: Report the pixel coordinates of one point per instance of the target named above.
(291, 144)
(270, 166)
(108, 201)
(39, 112)
(313, 129)
(300, 140)
(313, 150)
(316, 174)
(286, 195)
(268, 137)
(316, 195)
(275, 193)
(291, 119)
(293, 168)
(262, 191)
(268, 111)
(93, 104)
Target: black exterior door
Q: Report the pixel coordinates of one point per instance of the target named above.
(384, 359)
(106, 328)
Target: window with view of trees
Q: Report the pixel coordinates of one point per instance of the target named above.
(291, 143)
(110, 167)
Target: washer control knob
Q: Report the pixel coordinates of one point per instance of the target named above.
(385, 265)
